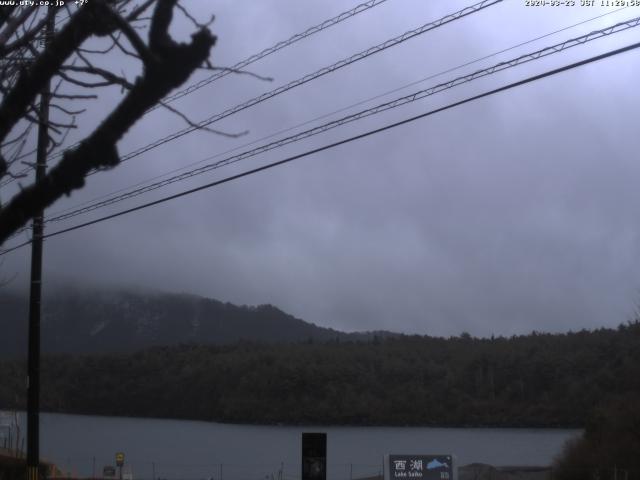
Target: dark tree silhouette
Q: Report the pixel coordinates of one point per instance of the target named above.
(66, 59)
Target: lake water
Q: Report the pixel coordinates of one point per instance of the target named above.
(176, 449)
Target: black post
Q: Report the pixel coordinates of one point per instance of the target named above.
(33, 367)
(314, 456)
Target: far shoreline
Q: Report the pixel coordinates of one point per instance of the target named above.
(311, 424)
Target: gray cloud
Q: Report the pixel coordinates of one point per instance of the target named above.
(511, 214)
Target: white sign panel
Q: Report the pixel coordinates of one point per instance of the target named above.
(420, 467)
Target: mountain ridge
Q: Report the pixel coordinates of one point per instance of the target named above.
(82, 321)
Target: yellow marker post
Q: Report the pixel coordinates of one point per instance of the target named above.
(120, 462)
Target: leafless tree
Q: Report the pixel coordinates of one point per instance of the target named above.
(69, 58)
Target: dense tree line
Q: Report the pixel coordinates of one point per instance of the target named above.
(534, 380)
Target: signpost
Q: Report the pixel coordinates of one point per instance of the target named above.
(420, 467)
(120, 462)
(314, 456)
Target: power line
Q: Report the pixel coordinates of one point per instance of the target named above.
(348, 119)
(278, 46)
(509, 86)
(309, 77)
(321, 117)
(421, 94)
(377, 109)
(313, 76)
(363, 7)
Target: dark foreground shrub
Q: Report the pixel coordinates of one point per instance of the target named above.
(609, 448)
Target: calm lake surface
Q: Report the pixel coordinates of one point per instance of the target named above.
(177, 449)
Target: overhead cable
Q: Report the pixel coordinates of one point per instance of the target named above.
(509, 86)
(363, 7)
(421, 94)
(278, 46)
(317, 74)
(305, 79)
(340, 110)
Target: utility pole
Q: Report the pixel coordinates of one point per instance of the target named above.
(33, 364)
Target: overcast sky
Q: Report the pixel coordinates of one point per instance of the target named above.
(514, 213)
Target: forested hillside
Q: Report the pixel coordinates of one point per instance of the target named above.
(81, 321)
(534, 380)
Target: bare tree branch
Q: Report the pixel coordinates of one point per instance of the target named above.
(123, 49)
(186, 13)
(110, 78)
(200, 127)
(66, 110)
(29, 34)
(75, 96)
(133, 37)
(85, 84)
(82, 24)
(168, 66)
(13, 23)
(208, 66)
(135, 14)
